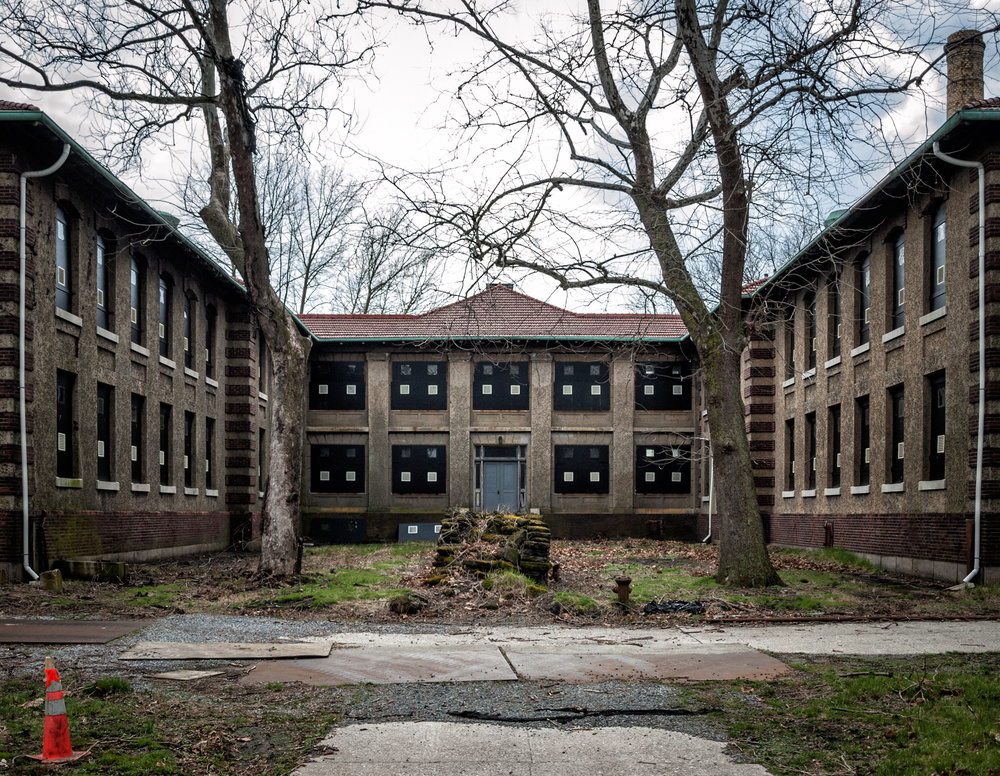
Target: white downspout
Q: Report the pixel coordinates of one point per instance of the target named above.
(711, 493)
(982, 346)
(21, 351)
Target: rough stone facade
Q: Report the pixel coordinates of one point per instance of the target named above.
(88, 374)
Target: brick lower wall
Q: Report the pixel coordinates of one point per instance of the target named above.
(88, 534)
(936, 537)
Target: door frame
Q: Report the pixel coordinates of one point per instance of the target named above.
(501, 454)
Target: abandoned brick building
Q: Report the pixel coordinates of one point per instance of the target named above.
(147, 412)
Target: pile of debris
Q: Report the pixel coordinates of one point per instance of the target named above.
(481, 543)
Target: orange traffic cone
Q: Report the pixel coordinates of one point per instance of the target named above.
(56, 747)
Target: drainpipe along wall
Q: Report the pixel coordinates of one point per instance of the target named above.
(982, 346)
(21, 351)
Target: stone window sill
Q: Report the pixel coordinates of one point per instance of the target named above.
(108, 335)
(811, 493)
(140, 487)
(894, 487)
(69, 482)
(76, 320)
(788, 383)
(931, 485)
(889, 336)
(211, 382)
(831, 491)
(933, 315)
(106, 485)
(262, 396)
(809, 373)
(860, 490)
(140, 350)
(211, 493)
(835, 361)
(190, 491)
(788, 494)
(164, 361)
(861, 349)
(191, 373)
(168, 489)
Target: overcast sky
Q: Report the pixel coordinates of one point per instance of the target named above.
(398, 111)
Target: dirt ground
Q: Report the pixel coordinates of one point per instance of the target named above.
(226, 583)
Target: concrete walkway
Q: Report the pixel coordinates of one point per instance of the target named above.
(453, 749)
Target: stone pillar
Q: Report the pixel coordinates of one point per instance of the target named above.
(459, 440)
(540, 448)
(240, 430)
(11, 167)
(759, 379)
(379, 455)
(623, 433)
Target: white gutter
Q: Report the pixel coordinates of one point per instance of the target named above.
(982, 345)
(711, 489)
(21, 350)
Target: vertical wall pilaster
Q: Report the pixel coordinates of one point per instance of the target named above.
(240, 430)
(459, 438)
(379, 391)
(623, 431)
(540, 449)
(759, 380)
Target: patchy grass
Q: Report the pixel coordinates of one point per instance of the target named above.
(238, 731)
(869, 716)
(348, 585)
(577, 604)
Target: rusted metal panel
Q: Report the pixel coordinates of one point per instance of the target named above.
(18, 631)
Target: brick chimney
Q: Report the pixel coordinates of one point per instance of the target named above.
(964, 50)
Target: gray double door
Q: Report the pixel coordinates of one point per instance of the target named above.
(500, 485)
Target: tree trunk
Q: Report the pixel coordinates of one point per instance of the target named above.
(282, 495)
(743, 558)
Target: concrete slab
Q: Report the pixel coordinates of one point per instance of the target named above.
(870, 638)
(24, 631)
(733, 662)
(455, 749)
(187, 676)
(389, 666)
(223, 650)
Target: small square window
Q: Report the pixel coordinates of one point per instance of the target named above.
(350, 476)
(437, 529)
(567, 369)
(648, 390)
(412, 529)
(352, 453)
(432, 452)
(675, 452)
(432, 390)
(595, 370)
(324, 476)
(324, 452)
(567, 476)
(352, 369)
(405, 369)
(404, 390)
(567, 452)
(515, 390)
(649, 369)
(352, 390)
(487, 369)
(432, 476)
(432, 369)
(404, 476)
(567, 390)
(515, 370)
(675, 370)
(595, 476)
(404, 452)
(650, 452)
(595, 452)
(675, 476)
(487, 390)
(323, 390)
(678, 390)
(595, 390)
(650, 476)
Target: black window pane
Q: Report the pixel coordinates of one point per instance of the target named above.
(415, 386)
(663, 469)
(337, 469)
(337, 385)
(419, 469)
(579, 470)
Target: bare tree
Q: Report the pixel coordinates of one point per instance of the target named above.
(681, 128)
(148, 66)
(387, 269)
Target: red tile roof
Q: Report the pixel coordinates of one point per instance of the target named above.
(496, 313)
(753, 285)
(16, 106)
(991, 102)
